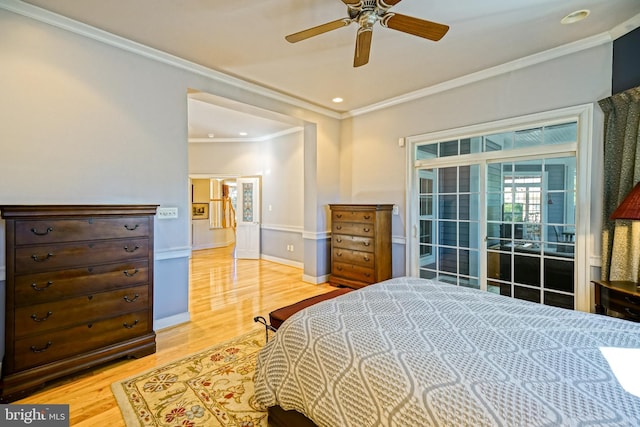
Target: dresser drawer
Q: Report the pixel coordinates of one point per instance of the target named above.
(44, 231)
(354, 228)
(353, 271)
(352, 216)
(358, 243)
(625, 304)
(54, 345)
(38, 318)
(353, 257)
(50, 286)
(33, 259)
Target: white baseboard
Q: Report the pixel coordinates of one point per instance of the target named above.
(213, 245)
(284, 261)
(167, 322)
(316, 280)
(172, 253)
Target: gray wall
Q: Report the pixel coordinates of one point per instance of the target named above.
(86, 121)
(90, 122)
(379, 174)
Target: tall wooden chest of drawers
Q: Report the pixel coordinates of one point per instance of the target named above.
(360, 244)
(79, 290)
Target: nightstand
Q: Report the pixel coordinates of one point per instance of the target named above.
(618, 298)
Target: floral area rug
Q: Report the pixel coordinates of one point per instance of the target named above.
(211, 388)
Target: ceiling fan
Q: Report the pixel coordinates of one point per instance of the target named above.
(368, 12)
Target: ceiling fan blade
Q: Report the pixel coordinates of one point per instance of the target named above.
(363, 47)
(320, 29)
(386, 4)
(354, 4)
(417, 27)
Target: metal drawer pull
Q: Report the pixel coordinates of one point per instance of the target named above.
(35, 317)
(36, 288)
(135, 297)
(339, 268)
(338, 253)
(131, 228)
(338, 227)
(40, 350)
(128, 326)
(126, 273)
(43, 233)
(37, 258)
(366, 230)
(367, 274)
(631, 312)
(367, 217)
(126, 248)
(632, 300)
(338, 215)
(366, 243)
(339, 240)
(366, 258)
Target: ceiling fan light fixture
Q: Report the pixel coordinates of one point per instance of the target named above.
(366, 13)
(576, 16)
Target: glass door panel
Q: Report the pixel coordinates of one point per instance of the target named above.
(449, 225)
(530, 229)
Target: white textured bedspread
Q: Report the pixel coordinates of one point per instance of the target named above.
(412, 352)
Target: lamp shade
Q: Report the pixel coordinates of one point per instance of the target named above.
(630, 206)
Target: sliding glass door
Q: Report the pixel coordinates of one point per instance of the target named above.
(498, 212)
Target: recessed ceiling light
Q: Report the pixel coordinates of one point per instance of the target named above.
(576, 16)
(210, 135)
(337, 100)
(243, 134)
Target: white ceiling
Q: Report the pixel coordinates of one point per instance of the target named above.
(245, 39)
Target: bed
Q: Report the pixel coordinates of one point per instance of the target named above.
(415, 352)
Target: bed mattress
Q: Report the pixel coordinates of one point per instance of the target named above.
(414, 352)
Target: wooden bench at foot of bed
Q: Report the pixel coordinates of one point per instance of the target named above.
(278, 316)
(278, 417)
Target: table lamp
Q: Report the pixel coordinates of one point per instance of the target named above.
(630, 206)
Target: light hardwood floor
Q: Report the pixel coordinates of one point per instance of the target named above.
(225, 295)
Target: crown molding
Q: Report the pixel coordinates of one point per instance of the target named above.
(47, 17)
(527, 61)
(42, 15)
(257, 139)
(626, 27)
(487, 73)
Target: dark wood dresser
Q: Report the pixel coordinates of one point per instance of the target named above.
(618, 298)
(360, 244)
(79, 290)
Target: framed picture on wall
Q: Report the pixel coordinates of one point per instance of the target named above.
(200, 211)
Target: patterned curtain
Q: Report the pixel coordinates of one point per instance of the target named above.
(620, 239)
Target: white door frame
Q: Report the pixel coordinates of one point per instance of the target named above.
(248, 217)
(582, 149)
